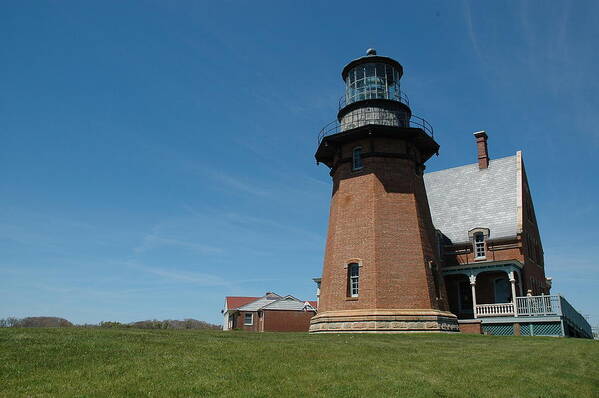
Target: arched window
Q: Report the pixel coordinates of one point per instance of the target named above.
(353, 279)
(357, 158)
(479, 245)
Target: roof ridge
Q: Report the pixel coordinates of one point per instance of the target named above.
(470, 164)
(281, 299)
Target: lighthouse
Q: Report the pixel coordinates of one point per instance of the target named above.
(382, 258)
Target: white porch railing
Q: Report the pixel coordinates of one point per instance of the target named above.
(499, 309)
(526, 306)
(537, 306)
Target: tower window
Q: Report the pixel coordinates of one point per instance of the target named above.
(353, 275)
(357, 159)
(479, 245)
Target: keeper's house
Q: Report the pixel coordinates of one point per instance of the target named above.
(489, 241)
(269, 313)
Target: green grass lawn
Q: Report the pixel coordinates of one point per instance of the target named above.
(105, 362)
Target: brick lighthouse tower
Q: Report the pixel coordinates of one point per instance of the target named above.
(381, 265)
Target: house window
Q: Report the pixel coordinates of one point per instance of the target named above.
(479, 245)
(353, 274)
(248, 319)
(357, 158)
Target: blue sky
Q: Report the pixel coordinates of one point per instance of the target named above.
(158, 156)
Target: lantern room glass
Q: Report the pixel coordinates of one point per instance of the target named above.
(372, 80)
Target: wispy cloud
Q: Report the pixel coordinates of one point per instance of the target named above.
(197, 278)
(183, 276)
(471, 31)
(217, 175)
(153, 241)
(253, 221)
(237, 183)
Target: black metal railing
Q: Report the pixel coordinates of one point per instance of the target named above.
(379, 117)
(355, 96)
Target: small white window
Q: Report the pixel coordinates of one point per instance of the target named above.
(353, 273)
(357, 158)
(479, 245)
(248, 319)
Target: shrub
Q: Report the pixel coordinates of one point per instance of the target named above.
(42, 322)
(113, 325)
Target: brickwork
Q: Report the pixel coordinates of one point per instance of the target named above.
(376, 220)
(471, 327)
(496, 251)
(532, 250)
(380, 219)
(286, 321)
(240, 324)
(275, 321)
(483, 152)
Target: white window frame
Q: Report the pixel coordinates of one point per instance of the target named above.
(245, 320)
(356, 162)
(480, 246)
(473, 234)
(353, 279)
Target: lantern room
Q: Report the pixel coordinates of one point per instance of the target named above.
(372, 77)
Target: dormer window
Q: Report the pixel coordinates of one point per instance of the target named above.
(479, 237)
(479, 245)
(357, 158)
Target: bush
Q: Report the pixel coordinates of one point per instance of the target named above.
(42, 322)
(9, 322)
(54, 322)
(113, 325)
(174, 324)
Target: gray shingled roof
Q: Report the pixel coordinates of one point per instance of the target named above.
(274, 302)
(261, 302)
(463, 198)
(288, 303)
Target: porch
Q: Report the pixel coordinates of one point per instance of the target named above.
(483, 289)
(547, 315)
(492, 294)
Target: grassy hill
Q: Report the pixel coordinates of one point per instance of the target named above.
(100, 362)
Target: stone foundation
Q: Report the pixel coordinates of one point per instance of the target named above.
(385, 321)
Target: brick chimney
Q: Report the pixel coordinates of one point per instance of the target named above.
(483, 152)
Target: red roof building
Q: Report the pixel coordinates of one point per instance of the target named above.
(269, 313)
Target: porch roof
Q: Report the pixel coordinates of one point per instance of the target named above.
(487, 266)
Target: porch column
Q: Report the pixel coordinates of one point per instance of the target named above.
(473, 286)
(513, 283)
